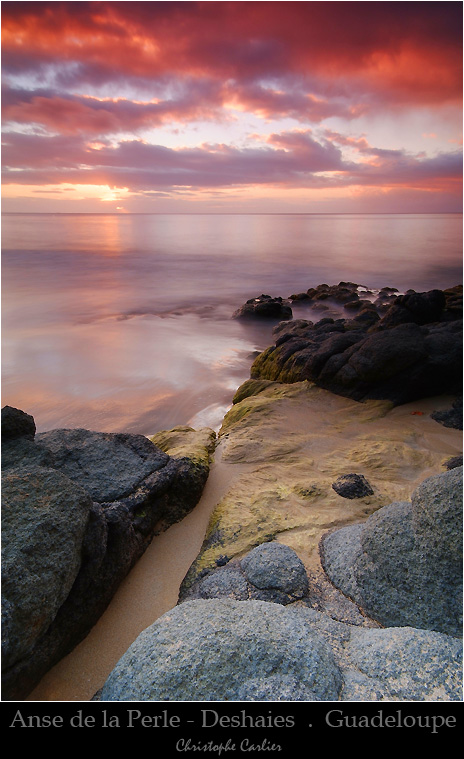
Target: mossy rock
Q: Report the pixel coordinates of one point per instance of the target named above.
(185, 442)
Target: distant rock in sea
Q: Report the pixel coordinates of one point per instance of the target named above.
(413, 350)
(264, 307)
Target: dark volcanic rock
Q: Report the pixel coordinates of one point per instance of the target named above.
(79, 509)
(16, 424)
(451, 417)
(264, 307)
(413, 351)
(420, 308)
(352, 486)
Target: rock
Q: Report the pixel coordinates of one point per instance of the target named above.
(413, 351)
(82, 508)
(44, 519)
(225, 583)
(408, 664)
(276, 566)
(218, 650)
(280, 449)
(451, 417)
(352, 486)
(270, 572)
(420, 308)
(111, 467)
(453, 462)
(16, 424)
(264, 307)
(403, 566)
(225, 650)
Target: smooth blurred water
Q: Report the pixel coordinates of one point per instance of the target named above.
(123, 322)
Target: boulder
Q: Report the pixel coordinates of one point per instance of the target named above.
(273, 565)
(226, 650)
(17, 424)
(403, 566)
(264, 307)
(270, 572)
(220, 650)
(44, 519)
(80, 508)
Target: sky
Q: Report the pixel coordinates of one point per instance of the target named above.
(232, 107)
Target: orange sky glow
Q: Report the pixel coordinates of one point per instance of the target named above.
(232, 107)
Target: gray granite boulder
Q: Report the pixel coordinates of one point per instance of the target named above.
(79, 509)
(220, 650)
(274, 565)
(403, 566)
(270, 572)
(225, 650)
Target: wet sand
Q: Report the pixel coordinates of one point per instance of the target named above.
(152, 587)
(147, 593)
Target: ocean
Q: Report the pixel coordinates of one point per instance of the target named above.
(123, 323)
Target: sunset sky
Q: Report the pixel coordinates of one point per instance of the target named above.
(232, 107)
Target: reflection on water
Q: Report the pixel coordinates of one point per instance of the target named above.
(123, 322)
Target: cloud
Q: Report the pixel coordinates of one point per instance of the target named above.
(86, 84)
(396, 51)
(293, 159)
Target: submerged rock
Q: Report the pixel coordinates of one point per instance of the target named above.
(79, 509)
(403, 566)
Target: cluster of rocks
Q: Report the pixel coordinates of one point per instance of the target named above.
(411, 350)
(78, 509)
(250, 631)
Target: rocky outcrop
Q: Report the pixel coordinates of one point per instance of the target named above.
(226, 650)
(79, 509)
(249, 630)
(264, 307)
(403, 565)
(413, 350)
(283, 446)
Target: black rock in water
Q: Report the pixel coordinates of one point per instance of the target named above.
(264, 307)
(412, 351)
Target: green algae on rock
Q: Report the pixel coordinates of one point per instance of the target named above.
(285, 444)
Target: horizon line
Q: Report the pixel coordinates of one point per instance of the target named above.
(231, 213)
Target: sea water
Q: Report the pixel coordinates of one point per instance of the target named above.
(124, 322)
